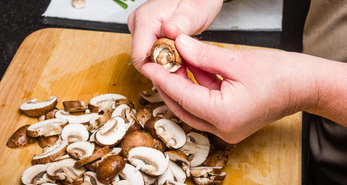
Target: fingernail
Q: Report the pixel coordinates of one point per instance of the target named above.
(185, 40)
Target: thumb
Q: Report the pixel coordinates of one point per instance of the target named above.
(206, 57)
(191, 17)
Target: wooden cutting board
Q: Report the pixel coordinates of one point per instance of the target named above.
(75, 64)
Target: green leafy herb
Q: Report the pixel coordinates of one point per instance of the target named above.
(121, 3)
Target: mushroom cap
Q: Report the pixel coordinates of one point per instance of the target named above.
(111, 133)
(95, 156)
(143, 114)
(50, 153)
(148, 160)
(164, 52)
(46, 128)
(135, 139)
(217, 158)
(80, 150)
(20, 139)
(74, 106)
(48, 141)
(109, 167)
(170, 133)
(34, 108)
(74, 133)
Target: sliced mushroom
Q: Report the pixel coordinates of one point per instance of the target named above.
(95, 156)
(65, 169)
(205, 171)
(217, 159)
(97, 121)
(20, 139)
(109, 167)
(82, 119)
(213, 179)
(35, 174)
(181, 159)
(167, 131)
(47, 128)
(91, 178)
(50, 114)
(197, 147)
(164, 112)
(143, 114)
(80, 150)
(167, 175)
(164, 52)
(177, 172)
(79, 4)
(111, 133)
(74, 133)
(50, 153)
(75, 106)
(171, 182)
(148, 160)
(104, 102)
(145, 98)
(125, 111)
(35, 108)
(48, 141)
(130, 176)
(149, 179)
(124, 101)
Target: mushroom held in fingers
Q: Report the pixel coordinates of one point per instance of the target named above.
(20, 139)
(35, 108)
(164, 52)
(148, 160)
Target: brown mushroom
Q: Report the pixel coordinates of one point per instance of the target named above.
(95, 156)
(164, 52)
(48, 141)
(75, 106)
(217, 159)
(20, 139)
(50, 153)
(109, 167)
(34, 108)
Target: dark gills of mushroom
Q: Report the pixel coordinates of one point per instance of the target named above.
(164, 52)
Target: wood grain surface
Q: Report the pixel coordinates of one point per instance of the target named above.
(76, 64)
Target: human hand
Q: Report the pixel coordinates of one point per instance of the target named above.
(258, 87)
(168, 18)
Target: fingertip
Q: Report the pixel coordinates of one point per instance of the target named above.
(170, 30)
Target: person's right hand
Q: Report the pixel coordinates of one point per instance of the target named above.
(168, 18)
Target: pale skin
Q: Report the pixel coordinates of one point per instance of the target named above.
(258, 86)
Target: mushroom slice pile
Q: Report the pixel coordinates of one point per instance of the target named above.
(36, 175)
(104, 102)
(111, 133)
(167, 131)
(180, 158)
(35, 108)
(82, 119)
(148, 160)
(50, 153)
(164, 52)
(75, 106)
(47, 128)
(197, 147)
(130, 176)
(65, 170)
(80, 150)
(74, 133)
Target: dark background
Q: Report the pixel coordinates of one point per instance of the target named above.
(18, 19)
